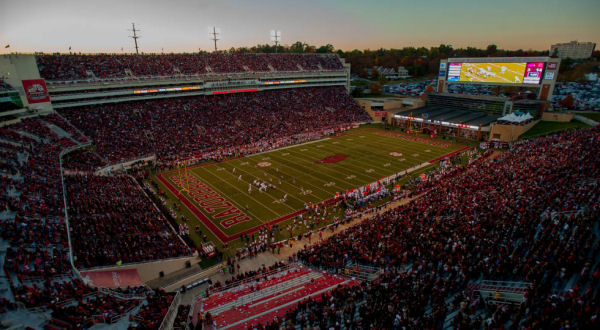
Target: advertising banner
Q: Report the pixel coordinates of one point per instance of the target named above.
(113, 278)
(36, 91)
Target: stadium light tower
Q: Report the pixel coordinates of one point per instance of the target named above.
(214, 33)
(135, 37)
(275, 37)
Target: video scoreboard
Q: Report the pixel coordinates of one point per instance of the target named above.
(515, 73)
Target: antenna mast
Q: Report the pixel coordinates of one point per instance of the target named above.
(214, 38)
(276, 37)
(135, 37)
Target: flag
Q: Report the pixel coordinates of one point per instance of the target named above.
(69, 47)
(6, 46)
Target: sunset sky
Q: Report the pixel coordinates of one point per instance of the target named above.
(182, 25)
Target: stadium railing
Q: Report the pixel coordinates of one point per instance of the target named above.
(251, 279)
(212, 75)
(167, 322)
(64, 190)
(157, 208)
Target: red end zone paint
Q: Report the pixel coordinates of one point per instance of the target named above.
(212, 226)
(223, 237)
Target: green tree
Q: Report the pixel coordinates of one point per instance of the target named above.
(327, 49)
(491, 50)
(375, 88)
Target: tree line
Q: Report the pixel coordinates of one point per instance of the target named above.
(418, 61)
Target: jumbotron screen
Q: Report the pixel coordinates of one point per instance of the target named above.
(497, 73)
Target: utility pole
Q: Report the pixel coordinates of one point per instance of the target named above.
(214, 35)
(135, 37)
(276, 37)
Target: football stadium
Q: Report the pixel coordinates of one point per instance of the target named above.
(237, 189)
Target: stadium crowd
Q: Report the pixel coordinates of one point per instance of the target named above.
(82, 67)
(529, 214)
(151, 315)
(83, 161)
(34, 226)
(113, 222)
(195, 125)
(33, 231)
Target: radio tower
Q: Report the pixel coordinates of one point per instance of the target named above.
(135, 37)
(214, 35)
(276, 37)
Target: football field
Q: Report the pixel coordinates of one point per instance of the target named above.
(239, 195)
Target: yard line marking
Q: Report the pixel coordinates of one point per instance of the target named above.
(268, 193)
(287, 147)
(343, 171)
(229, 199)
(242, 208)
(283, 162)
(322, 173)
(358, 168)
(285, 191)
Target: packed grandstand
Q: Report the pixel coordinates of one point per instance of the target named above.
(502, 240)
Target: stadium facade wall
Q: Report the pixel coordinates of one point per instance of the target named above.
(18, 67)
(557, 116)
(149, 271)
(509, 133)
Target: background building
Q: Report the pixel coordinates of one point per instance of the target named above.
(573, 49)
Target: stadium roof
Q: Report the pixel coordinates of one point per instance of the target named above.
(446, 116)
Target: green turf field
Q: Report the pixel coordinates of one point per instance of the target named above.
(219, 196)
(543, 128)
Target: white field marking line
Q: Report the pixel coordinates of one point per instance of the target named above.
(282, 162)
(342, 170)
(341, 178)
(352, 172)
(360, 171)
(383, 140)
(303, 194)
(287, 147)
(192, 212)
(365, 160)
(231, 200)
(278, 189)
(241, 208)
(386, 143)
(309, 173)
(291, 184)
(411, 149)
(393, 141)
(329, 288)
(413, 160)
(232, 185)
